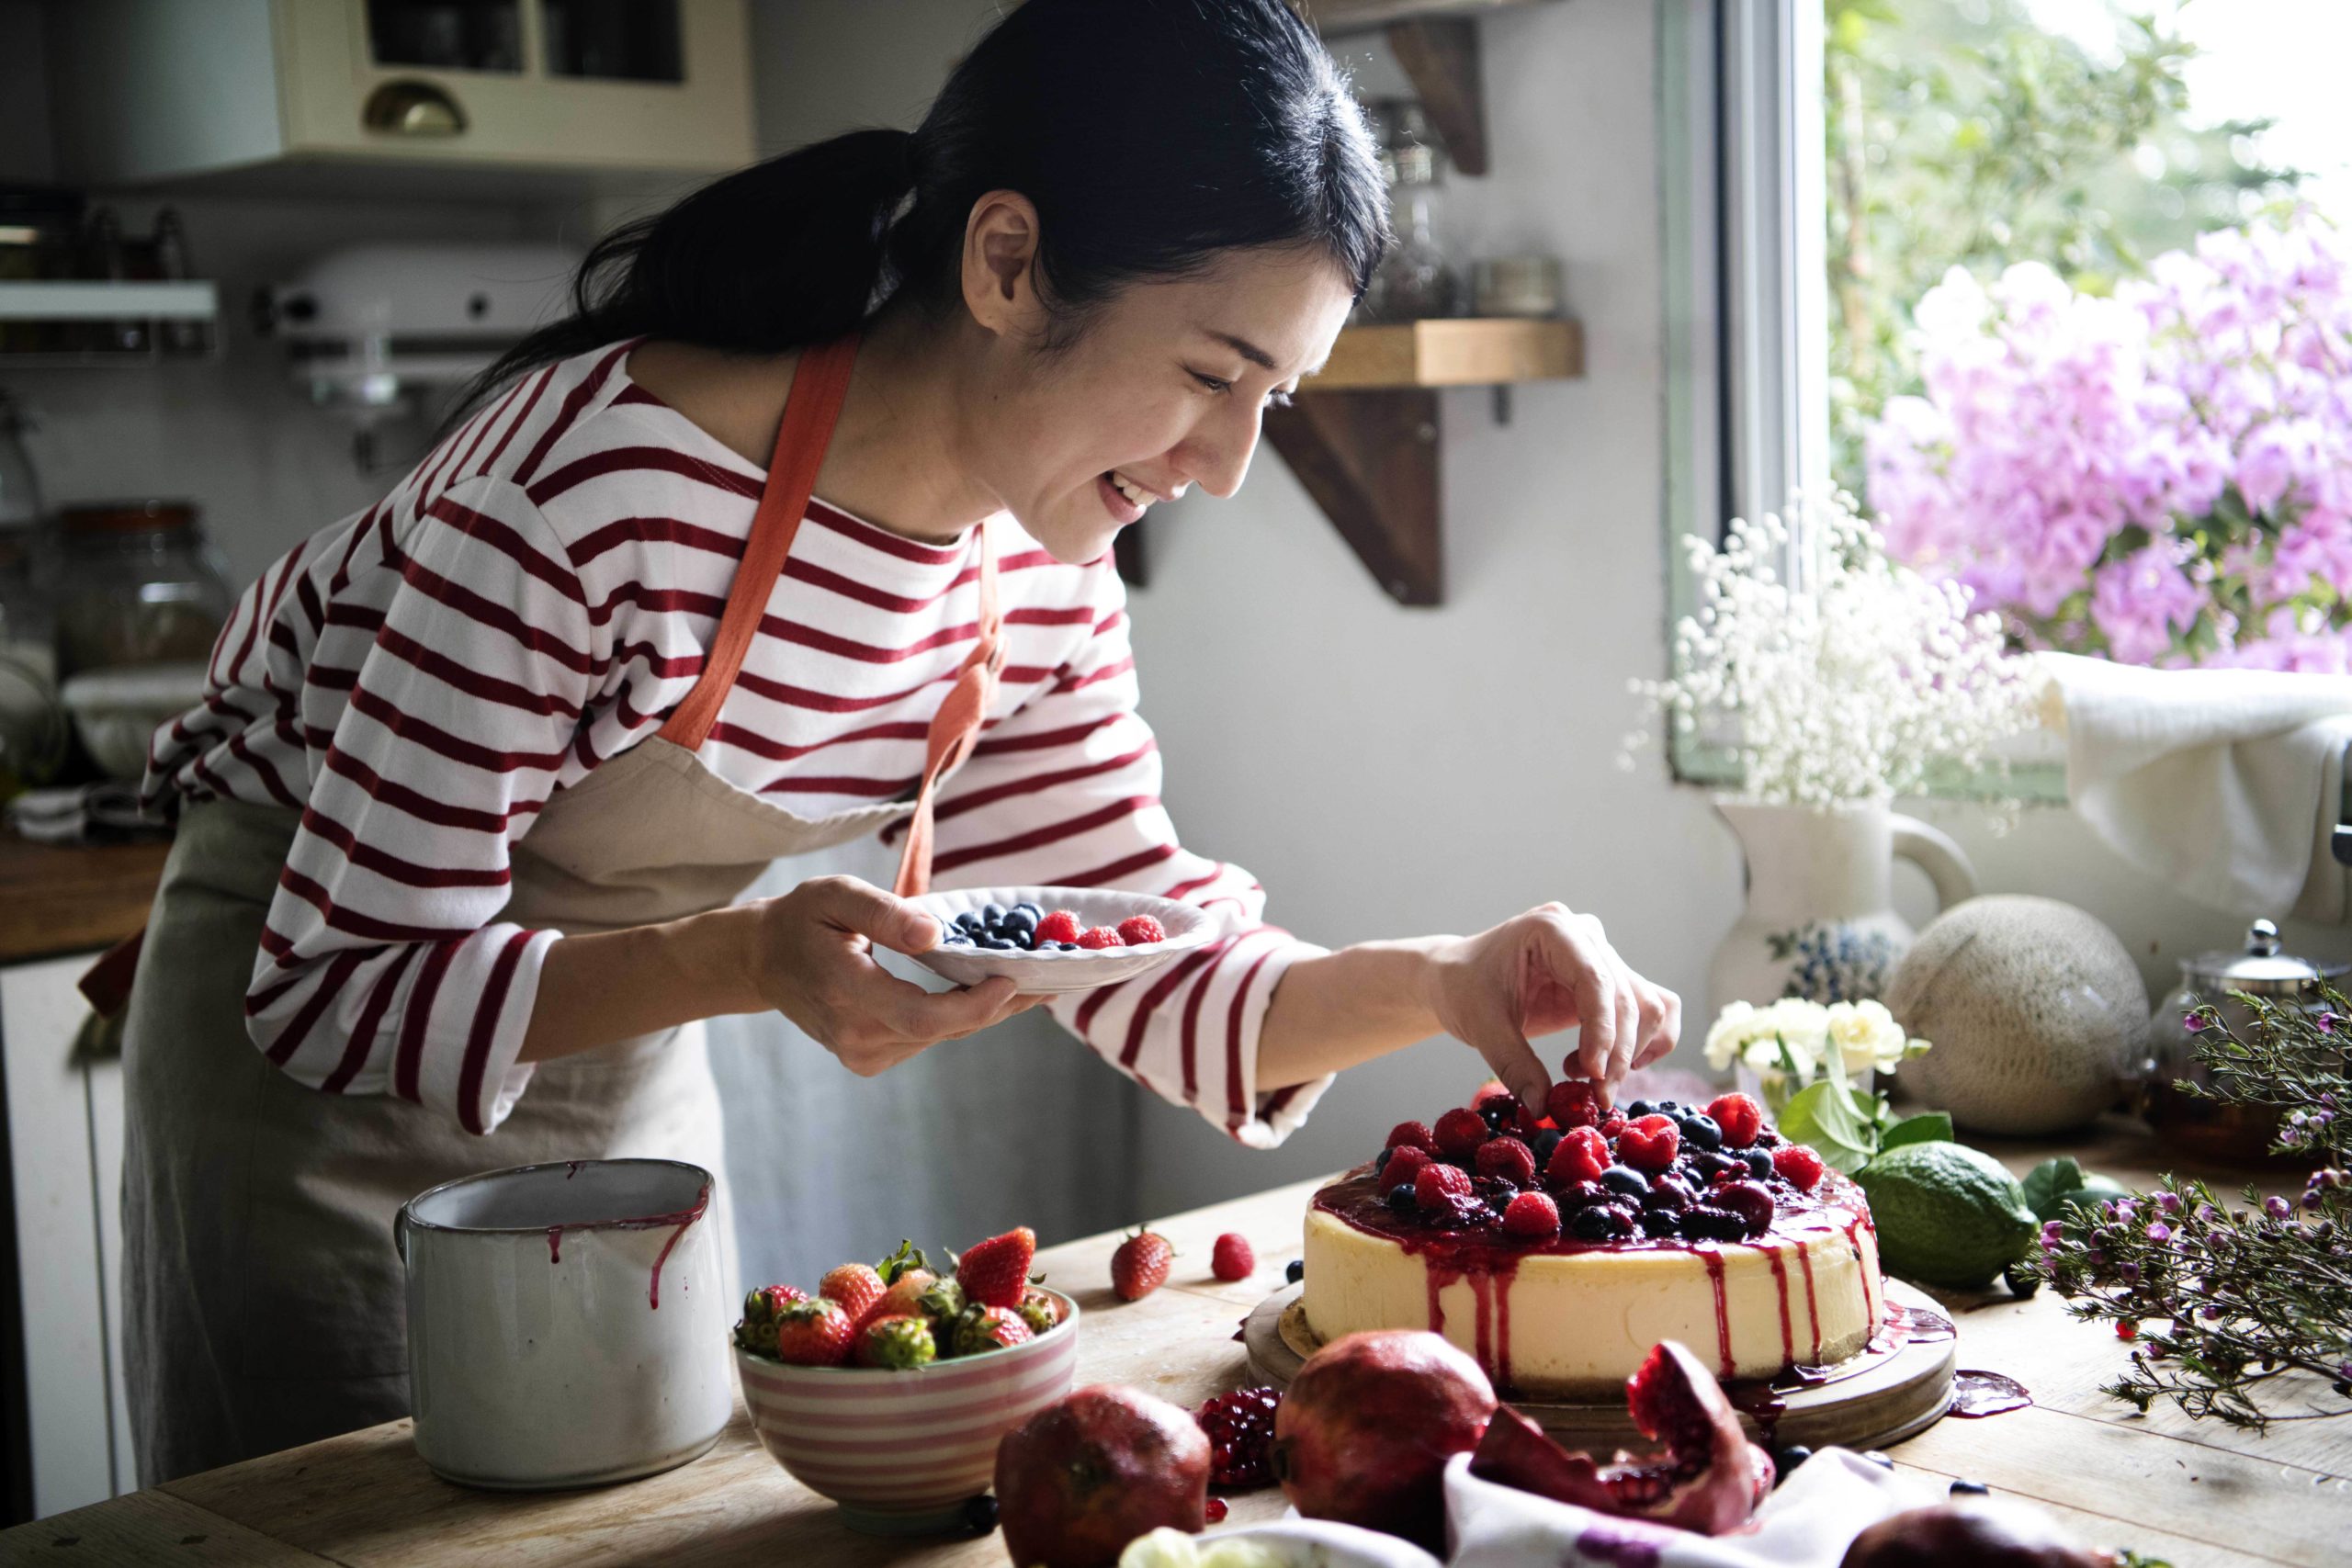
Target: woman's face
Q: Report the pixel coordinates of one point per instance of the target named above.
(1161, 391)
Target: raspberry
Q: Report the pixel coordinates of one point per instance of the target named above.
(1437, 1184)
(1137, 930)
(1240, 1425)
(1649, 1144)
(1458, 1134)
(1403, 1167)
(1060, 926)
(1231, 1259)
(1740, 1118)
(1531, 1214)
(1799, 1164)
(1098, 937)
(1412, 1136)
(1612, 1125)
(1507, 1157)
(1572, 1103)
(1582, 1156)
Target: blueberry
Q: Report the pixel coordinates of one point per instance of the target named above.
(1879, 1459)
(1032, 911)
(1496, 1190)
(1705, 1221)
(1758, 1162)
(996, 944)
(1658, 1224)
(1019, 919)
(1296, 1271)
(1400, 1198)
(1623, 1219)
(1546, 1142)
(980, 1514)
(1637, 1109)
(992, 913)
(970, 920)
(1969, 1489)
(1065, 947)
(1499, 1115)
(954, 934)
(1669, 1106)
(1595, 1224)
(1700, 1129)
(1786, 1460)
(1710, 1165)
(1382, 1163)
(1625, 1180)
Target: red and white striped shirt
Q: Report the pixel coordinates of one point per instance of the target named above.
(418, 681)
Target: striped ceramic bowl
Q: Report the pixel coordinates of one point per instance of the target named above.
(904, 1452)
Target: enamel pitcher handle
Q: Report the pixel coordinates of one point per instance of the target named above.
(1934, 851)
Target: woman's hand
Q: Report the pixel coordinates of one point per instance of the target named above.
(1541, 972)
(812, 959)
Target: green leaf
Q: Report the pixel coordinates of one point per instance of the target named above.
(2047, 1184)
(1930, 1127)
(1825, 1116)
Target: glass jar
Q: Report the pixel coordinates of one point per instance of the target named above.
(32, 725)
(1414, 280)
(142, 586)
(2237, 1133)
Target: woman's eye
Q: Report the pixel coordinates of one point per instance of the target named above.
(1212, 382)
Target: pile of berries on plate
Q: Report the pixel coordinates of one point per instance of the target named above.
(1657, 1170)
(1025, 928)
(901, 1312)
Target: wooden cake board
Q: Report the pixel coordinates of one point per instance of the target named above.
(1880, 1396)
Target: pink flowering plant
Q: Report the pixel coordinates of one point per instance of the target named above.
(2163, 476)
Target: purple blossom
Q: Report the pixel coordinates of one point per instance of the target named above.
(2159, 1231)
(2277, 1208)
(2193, 1022)
(2168, 1202)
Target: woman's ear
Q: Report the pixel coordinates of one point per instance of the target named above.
(999, 267)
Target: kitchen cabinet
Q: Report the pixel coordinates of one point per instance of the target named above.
(296, 94)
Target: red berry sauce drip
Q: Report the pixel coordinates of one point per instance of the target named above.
(1713, 1258)
(1977, 1394)
(1812, 1305)
(1780, 1282)
(555, 1244)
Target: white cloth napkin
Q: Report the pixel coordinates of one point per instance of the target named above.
(1808, 1523)
(2226, 784)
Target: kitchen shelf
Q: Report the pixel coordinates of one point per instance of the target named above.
(163, 309)
(1458, 352)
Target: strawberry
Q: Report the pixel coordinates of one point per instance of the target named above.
(895, 1339)
(1231, 1259)
(989, 1328)
(904, 1298)
(1060, 926)
(856, 1287)
(813, 1334)
(1582, 1156)
(1800, 1164)
(1098, 937)
(1460, 1132)
(1039, 1311)
(1572, 1103)
(1740, 1118)
(1139, 931)
(1412, 1136)
(1531, 1215)
(943, 1301)
(1508, 1158)
(1650, 1143)
(1403, 1167)
(767, 1303)
(1140, 1266)
(995, 1272)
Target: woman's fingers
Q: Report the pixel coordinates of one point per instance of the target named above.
(1578, 960)
(1513, 1060)
(881, 917)
(1661, 1030)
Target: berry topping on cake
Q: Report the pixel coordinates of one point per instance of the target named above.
(1436, 1183)
(1650, 1143)
(1460, 1132)
(1240, 1425)
(1582, 1156)
(1798, 1166)
(1403, 1167)
(995, 1272)
(1573, 1103)
(1060, 926)
(1140, 1266)
(1532, 1215)
(1507, 1157)
(1747, 1199)
(1739, 1117)
(1136, 930)
(1412, 1136)
(1231, 1257)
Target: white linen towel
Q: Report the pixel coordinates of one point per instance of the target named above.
(2226, 784)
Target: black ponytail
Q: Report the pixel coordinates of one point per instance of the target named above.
(1151, 135)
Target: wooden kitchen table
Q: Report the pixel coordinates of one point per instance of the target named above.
(2196, 1492)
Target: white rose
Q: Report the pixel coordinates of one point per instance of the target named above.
(1727, 1034)
(1866, 1035)
(1755, 1036)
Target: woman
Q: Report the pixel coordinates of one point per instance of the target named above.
(482, 769)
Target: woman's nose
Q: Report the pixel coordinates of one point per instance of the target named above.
(1216, 458)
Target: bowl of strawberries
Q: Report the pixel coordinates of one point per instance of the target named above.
(1049, 940)
(887, 1389)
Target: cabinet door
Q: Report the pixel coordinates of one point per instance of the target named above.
(653, 84)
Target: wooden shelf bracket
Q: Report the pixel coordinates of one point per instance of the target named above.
(1369, 460)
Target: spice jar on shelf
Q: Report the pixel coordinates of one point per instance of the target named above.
(1414, 280)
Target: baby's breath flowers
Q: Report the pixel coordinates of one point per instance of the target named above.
(2222, 1304)
(1846, 684)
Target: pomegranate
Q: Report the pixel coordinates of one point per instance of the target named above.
(1362, 1432)
(1969, 1535)
(1710, 1478)
(1094, 1470)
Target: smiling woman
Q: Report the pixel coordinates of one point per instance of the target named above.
(795, 530)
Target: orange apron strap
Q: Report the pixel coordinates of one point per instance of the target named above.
(106, 983)
(953, 726)
(818, 384)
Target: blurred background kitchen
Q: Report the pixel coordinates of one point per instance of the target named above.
(248, 247)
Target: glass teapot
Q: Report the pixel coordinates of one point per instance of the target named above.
(2239, 1132)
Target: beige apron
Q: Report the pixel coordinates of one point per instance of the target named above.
(263, 1303)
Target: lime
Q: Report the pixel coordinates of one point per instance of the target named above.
(1947, 1214)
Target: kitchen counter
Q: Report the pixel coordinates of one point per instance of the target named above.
(58, 898)
(2196, 1492)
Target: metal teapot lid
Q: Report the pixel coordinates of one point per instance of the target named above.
(2260, 968)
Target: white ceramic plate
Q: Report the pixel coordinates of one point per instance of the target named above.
(1187, 926)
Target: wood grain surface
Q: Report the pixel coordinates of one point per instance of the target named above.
(2196, 1493)
(59, 899)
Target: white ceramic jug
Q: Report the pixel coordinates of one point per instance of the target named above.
(566, 1323)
